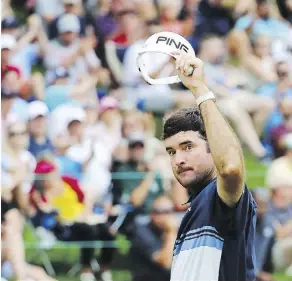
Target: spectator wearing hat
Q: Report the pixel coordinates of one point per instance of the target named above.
(142, 189)
(37, 127)
(69, 51)
(70, 7)
(75, 220)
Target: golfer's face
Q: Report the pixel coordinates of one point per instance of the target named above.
(189, 157)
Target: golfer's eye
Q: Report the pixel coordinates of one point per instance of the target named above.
(188, 147)
(171, 152)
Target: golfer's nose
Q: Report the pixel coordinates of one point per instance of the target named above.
(179, 159)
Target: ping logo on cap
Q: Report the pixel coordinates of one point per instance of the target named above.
(171, 41)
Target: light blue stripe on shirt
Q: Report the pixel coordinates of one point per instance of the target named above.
(206, 239)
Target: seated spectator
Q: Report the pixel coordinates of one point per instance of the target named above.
(152, 243)
(139, 189)
(17, 165)
(262, 22)
(76, 220)
(277, 91)
(257, 66)
(37, 127)
(70, 7)
(279, 133)
(236, 104)
(279, 215)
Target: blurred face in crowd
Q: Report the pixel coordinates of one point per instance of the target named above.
(282, 69)
(110, 116)
(282, 196)
(18, 136)
(75, 129)
(190, 159)
(132, 124)
(213, 50)
(289, 5)
(262, 46)
(162, 211)
(68, 38)
(136, 152)
(38, 126)
(62, 143)
(263, 9)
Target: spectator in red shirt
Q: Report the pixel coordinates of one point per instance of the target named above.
(278, 133)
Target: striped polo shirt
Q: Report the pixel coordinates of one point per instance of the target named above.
(216, 242)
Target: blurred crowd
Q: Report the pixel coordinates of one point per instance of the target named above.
(81, 154)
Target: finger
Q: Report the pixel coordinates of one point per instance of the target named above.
(182, 63)
(177, 62)
(187, 65)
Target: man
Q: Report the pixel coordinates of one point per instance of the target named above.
(152, 243)
(142, 190)
(216, 236)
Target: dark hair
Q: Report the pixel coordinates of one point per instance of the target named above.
(261, 2)
(187, 119)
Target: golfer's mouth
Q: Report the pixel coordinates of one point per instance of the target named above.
(183, 170)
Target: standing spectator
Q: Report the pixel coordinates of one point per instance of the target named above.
(70, 7)
(69, 51)
(37, 126)
(152, 243)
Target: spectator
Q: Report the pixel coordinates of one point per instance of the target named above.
(279, 215)
(26, 54)
(66, 166)
(66, 197)
(70, 7)
(262, 22)
(140, 190)
(16, 168)
(37, 126)
(69, 51)
(235, 102)
(61, 91)
(153, 243)
(279, 133)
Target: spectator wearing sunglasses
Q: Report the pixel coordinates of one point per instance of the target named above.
(153, 243)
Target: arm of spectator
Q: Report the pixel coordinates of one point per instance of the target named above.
(33, 27)
(140, 193)
(283, 230)
(22, 199)
(253, 64)
(164, 256)
(83, 87)
(42, 39)
(179, 196)
(243, 6)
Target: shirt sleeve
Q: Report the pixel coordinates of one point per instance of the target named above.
(233, 220)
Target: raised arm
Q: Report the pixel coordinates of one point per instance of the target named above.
(223, 143)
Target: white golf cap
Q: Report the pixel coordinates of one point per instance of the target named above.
(165, 43)
(36, 109)
(75, 114)
(68, 23)
(7, 42)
